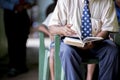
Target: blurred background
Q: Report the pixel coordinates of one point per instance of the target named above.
(37, 15)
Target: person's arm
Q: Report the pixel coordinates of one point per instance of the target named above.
(62, 30)
(109, 18)
(58, 23)
(103, 34)
(109, 23)
(43, 29)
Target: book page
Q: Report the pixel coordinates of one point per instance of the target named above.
(73, 42)
(90, 39)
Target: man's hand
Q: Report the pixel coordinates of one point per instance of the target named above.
(67, 31)
(88, 45)
(62, 30)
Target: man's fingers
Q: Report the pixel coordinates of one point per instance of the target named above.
(68, 29)
(69, 25)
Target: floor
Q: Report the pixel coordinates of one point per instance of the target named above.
(32, 74)
(32, 61)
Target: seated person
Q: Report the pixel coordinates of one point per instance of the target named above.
(71, 56)
(44, 28)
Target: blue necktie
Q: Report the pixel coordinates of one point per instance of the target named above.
(86, 27)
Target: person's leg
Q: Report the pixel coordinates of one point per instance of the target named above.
(51, 60)
(22, 32)
(107, 53)
(17, 30)
(90, 71)
(51, 63)
(71, 60)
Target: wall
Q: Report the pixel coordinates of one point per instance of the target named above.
(3, 42)
(43, 4)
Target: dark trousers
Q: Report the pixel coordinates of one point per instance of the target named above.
(106, 51)
(17, 27)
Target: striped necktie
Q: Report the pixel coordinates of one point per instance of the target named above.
(86, 27)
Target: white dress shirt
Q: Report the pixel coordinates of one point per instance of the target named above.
(103, 15)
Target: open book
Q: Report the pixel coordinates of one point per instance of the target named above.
(80, 43)
(72, 40)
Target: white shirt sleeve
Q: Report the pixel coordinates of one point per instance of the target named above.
(59, 16)
(46, 21)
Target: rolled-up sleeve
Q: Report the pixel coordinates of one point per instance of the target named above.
(109, 18)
